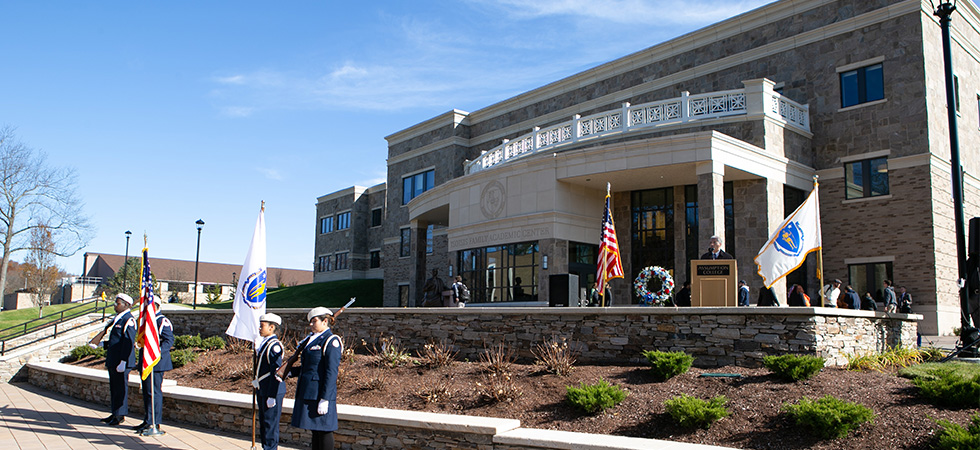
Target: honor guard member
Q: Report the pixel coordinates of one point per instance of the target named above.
(315, 408)
(120, 358)
(269, 388)
(166, 330)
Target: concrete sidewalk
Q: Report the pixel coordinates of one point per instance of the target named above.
(33, 418)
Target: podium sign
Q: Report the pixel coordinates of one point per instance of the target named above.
(714, 282)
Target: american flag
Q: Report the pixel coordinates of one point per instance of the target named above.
(147, 335)
(610, 265)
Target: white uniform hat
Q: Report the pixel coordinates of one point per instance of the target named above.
(125, 298)
(317, 312)
(271, 318)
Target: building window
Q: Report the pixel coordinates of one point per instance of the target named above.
(326, 225)
(428, 239)
(403, 295)
(692, 243)
(868, 277)
(729, 192)
(867, 178)
(415, 185)
(340, 261)
(503, 273)
(406, 242)
(861, 85)
(375, 259)
(652, 237)
(323, 264)
(343, 221)
(376, 217)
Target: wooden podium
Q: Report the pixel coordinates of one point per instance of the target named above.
(714, 282)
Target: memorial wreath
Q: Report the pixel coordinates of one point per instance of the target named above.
(660, 297)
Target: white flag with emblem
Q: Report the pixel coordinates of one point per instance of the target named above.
(787, 248)
(249, 301)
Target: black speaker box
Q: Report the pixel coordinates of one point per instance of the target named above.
(563, 289)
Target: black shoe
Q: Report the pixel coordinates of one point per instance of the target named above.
(141, 427)
(115, 421)
(107, 419)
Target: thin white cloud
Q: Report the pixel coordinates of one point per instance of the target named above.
(628, 11)
(271, 174)
(237, 111)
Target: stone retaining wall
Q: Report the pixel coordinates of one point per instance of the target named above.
(714, 336)
(12, 363)
(360, 427)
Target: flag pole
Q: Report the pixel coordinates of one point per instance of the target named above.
(254, 389)
(823, 301)
(602, 292)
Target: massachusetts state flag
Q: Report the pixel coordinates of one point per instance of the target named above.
(147, 334)
(797, 236)
(609, 265)
(250, 293)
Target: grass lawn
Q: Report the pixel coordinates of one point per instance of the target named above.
(51, 313)
(965, 370)
(332, 294)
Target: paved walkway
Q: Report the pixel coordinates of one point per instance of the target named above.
(33, 418)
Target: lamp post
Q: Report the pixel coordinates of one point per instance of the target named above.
(200, 224)
(126, 260)
(945, 12)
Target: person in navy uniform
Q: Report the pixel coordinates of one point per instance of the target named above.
(120, 358)
(269, 388)
(315, 408)
(166, 330)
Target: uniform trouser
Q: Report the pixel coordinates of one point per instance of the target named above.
(323, 440)
(157, 398)
(119, 392)
(269, 422)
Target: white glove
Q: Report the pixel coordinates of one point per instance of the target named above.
(323, 407)
(91, 345)
(270, 403)
(121, 367)
(255, 384)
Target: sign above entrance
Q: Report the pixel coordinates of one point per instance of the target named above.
(498, 237)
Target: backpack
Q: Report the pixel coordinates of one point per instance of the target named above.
(462, 293)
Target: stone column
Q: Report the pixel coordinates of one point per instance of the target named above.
(681, 264)
(758, 211)
(711, 202)
(418, 263)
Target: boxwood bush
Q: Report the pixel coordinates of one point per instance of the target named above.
(793, 367)
(945, 387)
(213, 343)
(181, 357)
(84, 351)
(829, 417)
(187, 341)
(691, 412)
(666, 365)
(596, 397)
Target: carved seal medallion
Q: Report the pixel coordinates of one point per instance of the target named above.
(492, 199)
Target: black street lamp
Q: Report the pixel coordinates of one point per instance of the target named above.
(126, 260)
(945, 12)
(200, 224)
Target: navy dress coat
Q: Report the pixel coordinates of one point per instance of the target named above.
(166, 330)
(268, 360)
(118, 348)
(317, 381)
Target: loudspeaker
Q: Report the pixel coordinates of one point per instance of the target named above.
(974, 248)
(562, 289)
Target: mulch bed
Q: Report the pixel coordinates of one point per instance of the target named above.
(903, 420)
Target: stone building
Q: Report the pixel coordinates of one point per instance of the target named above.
(716, 132)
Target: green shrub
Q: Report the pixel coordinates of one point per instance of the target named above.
(666, 365)
(952, 436)
(213, 343)
(931, 354)
(793, 367)
(596, 397)
(829, 417)
(944, 387)
(182, 357)
(84, 351)
(187, 341)
(691, 412)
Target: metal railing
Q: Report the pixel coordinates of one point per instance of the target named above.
(684, 109)
(89, 306)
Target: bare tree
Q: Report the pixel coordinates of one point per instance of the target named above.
(40, 269)
(33, 195)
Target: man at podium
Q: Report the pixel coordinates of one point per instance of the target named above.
(715, 251)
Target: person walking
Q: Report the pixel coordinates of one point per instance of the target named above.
(831, 294)
(269, 388)
(743, 293)
(797, 297)
(889, 297)
(120, 358)
(153, 393)
(904, 301)
(851, 299)
(767, 297)
(461, 294)
(315, 408)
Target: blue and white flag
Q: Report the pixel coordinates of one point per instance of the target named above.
(787, 248)
(250, 293)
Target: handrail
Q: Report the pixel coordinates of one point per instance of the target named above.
(27, 329)
(684, 109)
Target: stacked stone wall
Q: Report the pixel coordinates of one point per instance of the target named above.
(42, 346)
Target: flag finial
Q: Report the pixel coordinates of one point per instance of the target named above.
(263, 206)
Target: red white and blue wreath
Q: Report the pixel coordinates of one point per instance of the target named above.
(660, 297)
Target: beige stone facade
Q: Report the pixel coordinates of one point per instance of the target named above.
(741, 115)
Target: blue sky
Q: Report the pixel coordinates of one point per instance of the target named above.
(176, 111)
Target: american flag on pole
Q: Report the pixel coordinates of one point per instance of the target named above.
(610, 265)
(147, 334)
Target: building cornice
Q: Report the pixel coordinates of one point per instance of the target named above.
(414, 153)
(454, 117)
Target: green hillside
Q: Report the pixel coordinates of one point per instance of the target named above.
(333, 294)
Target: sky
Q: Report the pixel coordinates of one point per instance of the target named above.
(170, 112)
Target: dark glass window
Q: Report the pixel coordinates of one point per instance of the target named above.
(869, 277)
(415, 185)
(652, 242)
(343, 221)
(729, 191)
(862, 85)
(692, 241)
(375, 259)
(406, 242)
(340, 261)
(376, 217)
(505, 273)
(428, 239)
(403, 295)
(326, 225)
(868, 178)
(323, 264)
